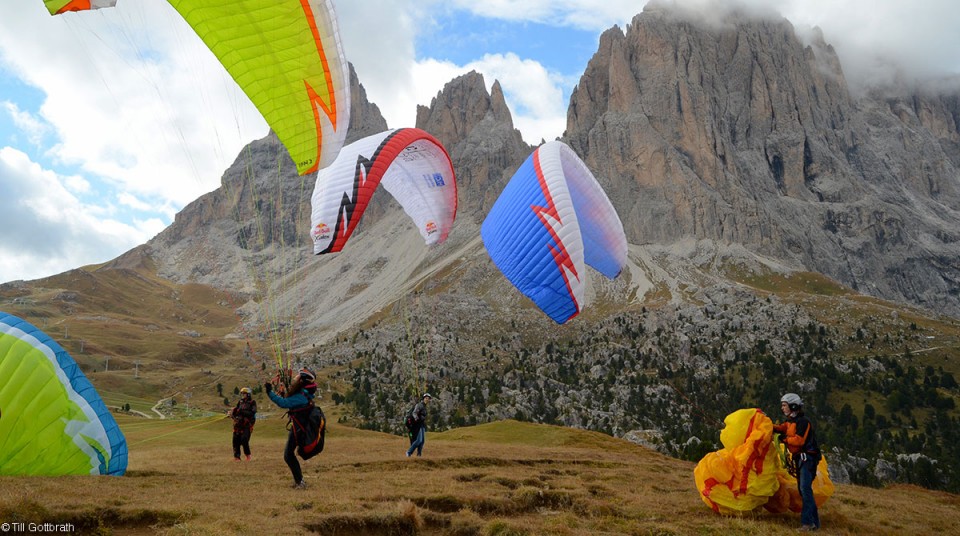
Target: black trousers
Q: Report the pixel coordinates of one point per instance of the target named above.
(241, 439)
(290, 456)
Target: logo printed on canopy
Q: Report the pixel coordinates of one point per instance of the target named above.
(321, 232)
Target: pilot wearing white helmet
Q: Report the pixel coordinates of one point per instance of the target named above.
(798, 436)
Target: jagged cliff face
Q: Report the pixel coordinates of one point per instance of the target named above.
(739, 133)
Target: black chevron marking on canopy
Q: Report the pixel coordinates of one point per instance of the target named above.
(348, 203)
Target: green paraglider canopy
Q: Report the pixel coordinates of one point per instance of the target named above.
(53, 422)
(285, 55)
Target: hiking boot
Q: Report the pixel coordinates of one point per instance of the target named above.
(300, 485)
(807, 528)
(237, 459)
(248, 457)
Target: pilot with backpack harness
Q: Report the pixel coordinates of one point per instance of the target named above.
(244, 416)
(416, 422)
(307, 424)
(798, 435)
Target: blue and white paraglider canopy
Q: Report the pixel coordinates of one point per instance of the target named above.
(551, 219)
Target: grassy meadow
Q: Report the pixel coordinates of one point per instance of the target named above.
(504, 478)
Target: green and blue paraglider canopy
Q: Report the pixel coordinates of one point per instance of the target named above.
(52, 421)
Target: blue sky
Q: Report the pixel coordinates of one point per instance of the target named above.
(456, 37)
(113, 121)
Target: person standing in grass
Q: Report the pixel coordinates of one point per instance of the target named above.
(244, 416)
(298, 401)
(419, 428)
(797, 434)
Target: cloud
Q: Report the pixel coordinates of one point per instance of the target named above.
(595, 15)
(133, 202)
(880, 41)
(27, 123)
(47, 230)
(76, 184)
(534, 94)
(397, 81)
(385, 65)
(167, 119)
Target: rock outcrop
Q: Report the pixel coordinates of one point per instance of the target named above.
(477, 129)
(740, 133)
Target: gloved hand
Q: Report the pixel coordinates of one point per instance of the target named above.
(268, 387)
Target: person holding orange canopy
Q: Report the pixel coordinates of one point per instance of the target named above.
(801, 441)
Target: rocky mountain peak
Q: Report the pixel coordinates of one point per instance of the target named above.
(477, 129)
(498, 105)
(365, 116)
(739, 132)
(457, 109)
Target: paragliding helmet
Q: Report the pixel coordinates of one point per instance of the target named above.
(307, 379)
(246, 391)
(793, 400)
(426, 396)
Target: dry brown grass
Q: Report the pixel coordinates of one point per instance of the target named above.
(160, 338)
(502, 478)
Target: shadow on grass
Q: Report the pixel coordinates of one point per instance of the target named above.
(447, 514)
(477, 462)
(408, 519)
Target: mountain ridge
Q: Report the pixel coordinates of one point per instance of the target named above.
(728, 179)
